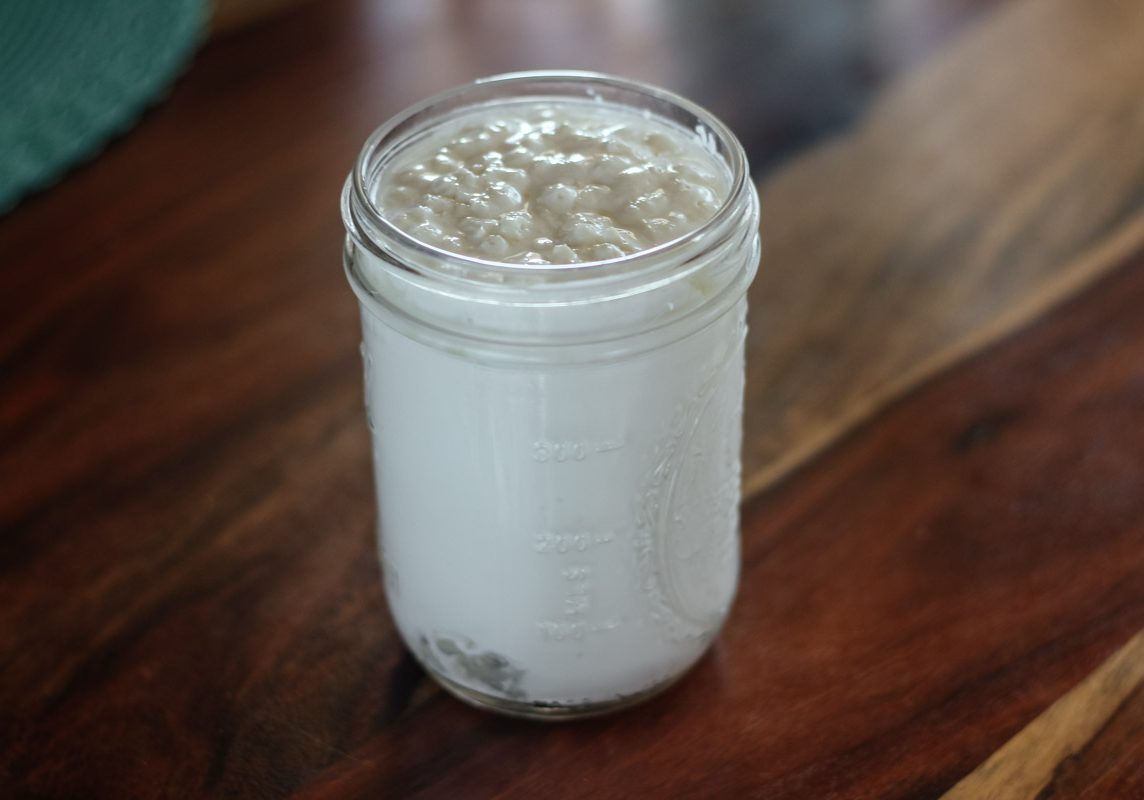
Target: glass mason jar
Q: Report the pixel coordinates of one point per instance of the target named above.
(556, 448)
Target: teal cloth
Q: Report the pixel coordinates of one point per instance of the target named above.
(74, 73)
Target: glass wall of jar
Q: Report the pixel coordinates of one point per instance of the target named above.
(556, 447)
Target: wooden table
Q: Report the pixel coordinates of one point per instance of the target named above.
(944, 469)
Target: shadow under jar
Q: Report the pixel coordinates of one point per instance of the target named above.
(556, 446)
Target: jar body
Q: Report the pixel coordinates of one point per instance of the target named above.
(558, 538)
(556, 448)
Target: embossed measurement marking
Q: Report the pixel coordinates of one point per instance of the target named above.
(547, 450)
(577, 607)
(572, 541)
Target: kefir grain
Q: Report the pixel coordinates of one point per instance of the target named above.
(553, 184)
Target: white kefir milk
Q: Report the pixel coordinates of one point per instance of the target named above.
(552, 271)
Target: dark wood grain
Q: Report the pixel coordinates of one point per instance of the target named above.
(1090, 743)
(993, 182)
(909, 601)
(1111, 764)
(189, 600)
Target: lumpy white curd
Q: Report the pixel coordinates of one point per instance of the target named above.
(541, 184)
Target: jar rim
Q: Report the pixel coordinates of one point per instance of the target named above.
(369, 227)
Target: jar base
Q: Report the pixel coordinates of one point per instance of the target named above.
(550, 712)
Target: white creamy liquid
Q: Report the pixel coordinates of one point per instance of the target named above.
(556, 534)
